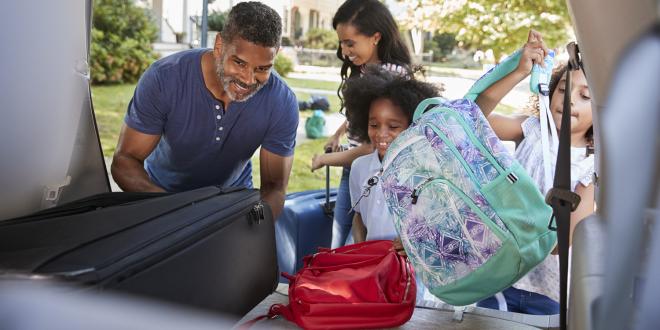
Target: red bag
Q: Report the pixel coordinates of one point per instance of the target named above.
(359, 286)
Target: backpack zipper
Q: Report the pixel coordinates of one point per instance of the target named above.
(467, 200)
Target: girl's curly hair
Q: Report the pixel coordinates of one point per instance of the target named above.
(532, 106)
(378, 83)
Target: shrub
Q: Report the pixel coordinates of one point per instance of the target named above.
(321, 39)
(121, 41)
(286, 42)
(442, 45)
(283, 65)
(216, 21)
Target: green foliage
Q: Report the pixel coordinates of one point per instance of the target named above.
(503, 25)
(442, 45)
(500, 25)
(283, 65)
(286, 41)
(121, 41)
(302, 178)
(321, 39)
(216, 21)
(110, 104)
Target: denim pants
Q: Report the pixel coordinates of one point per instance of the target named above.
(343, 220)
(521, 301)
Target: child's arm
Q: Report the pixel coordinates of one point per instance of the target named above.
(342, 158)
(398, 246)
(491, 97)
(359, 230)
(585, 208)
(508, 127)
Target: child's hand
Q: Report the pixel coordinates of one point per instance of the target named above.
(332, 144)
(317, 162)
(533, 52)
(398, 246)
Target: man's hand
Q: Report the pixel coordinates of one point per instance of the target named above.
(275, 171)
(127, 166)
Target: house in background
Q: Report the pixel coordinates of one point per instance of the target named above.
(298, 16)
(179, 21)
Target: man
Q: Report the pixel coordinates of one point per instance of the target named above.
(198, 116)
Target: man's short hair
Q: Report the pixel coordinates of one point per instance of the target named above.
(254, 22)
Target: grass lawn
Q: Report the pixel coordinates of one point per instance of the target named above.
(302, 178)
(110, 103)
(315, 84)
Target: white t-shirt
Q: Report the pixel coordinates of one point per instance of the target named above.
(373, 209)
(544, 278)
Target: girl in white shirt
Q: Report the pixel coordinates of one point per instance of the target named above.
(538, 291)
(380, 106)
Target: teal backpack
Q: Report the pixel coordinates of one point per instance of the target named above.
(470, 218)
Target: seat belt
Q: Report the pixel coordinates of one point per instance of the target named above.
(560, 196)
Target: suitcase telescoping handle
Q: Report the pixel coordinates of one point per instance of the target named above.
(327, 208)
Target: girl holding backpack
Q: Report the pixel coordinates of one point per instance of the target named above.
(538, 291)
(380, 105)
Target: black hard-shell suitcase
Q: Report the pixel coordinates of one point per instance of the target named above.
(206, 248)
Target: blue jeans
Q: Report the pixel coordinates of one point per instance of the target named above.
(521, 301)
(343, 220)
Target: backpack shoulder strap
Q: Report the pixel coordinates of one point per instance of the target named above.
(493, 75)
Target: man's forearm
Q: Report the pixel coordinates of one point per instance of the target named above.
(275, 199)
(129, 174)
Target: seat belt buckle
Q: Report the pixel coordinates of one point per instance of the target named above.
(544, 89)
(563, 196)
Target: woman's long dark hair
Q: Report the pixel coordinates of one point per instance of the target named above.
(369, 17)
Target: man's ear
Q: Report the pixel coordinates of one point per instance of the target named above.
(217, 47)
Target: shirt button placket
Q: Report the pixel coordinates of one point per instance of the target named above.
(218, 117)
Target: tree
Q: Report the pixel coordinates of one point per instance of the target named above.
(442, 44)
(500, 25)
(122, 34)
(418, 16)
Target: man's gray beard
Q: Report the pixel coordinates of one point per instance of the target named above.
(226, 83)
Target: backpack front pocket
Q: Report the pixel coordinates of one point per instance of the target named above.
(455, 237)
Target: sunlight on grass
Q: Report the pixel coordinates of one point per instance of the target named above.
(302, 178)
(110, 104)
(315, 84)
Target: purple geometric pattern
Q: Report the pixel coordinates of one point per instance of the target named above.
(446, 238)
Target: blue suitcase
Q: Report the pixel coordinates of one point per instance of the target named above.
(304, 225)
